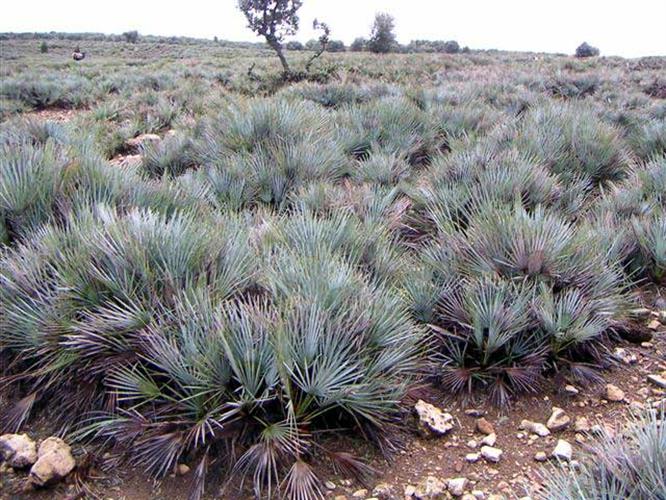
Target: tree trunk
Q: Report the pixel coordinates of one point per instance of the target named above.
(275, 45)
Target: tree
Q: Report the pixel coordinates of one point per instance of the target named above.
(586, 50)
(274, 20)
(131, 36)
(382, 39)
(359, 44)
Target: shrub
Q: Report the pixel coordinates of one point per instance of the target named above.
(294, 45)
(336, 46)
(43, 47)
(30, 186)
(650, 234)
(273, 147)
(513, 294)
(388, 125)
(359, 44)
(629, 463)
(131, 36)
(574, 143)
(586, 50)
(451, 47)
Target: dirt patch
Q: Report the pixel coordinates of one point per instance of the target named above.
(53, 115)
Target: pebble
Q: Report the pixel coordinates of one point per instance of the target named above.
(626, 357)
(489, 440)
(614, 393)
(430, 487)
(360, 493)
(457, 486)
(383, 490)
(581, 425)
(330, 485)
(491, 454)
(484, 427)
(558, 420)
(571, 390)
(540, 456)
(472, 457)
(563, 450)
(657, 380)
(535, 428)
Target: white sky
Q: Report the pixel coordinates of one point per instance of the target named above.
(628, 28)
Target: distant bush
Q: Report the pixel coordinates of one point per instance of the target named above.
(312, 44)
(359, 44)
(586, 50)
(451, 47)
(43, 47)
(336, 46)
(294, 45)
(131, 36)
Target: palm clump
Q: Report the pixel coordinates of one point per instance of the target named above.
(183, 337)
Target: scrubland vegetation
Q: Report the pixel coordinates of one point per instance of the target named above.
(290, 258)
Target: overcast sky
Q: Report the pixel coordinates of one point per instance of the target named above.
(628, 28)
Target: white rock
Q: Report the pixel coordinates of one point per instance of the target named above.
(558, 420)
(540, 456)
(571, 390)
(430, 488)
(491, 454)
(432, 420)
(626, 357)
(489, 440)
(657, 380)
(54, 462)
(614, 393)
(535, 428)
(472, 457)
(457, 486)
(563, 450)
(18, 450)
(360, 493)
(581, 425)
